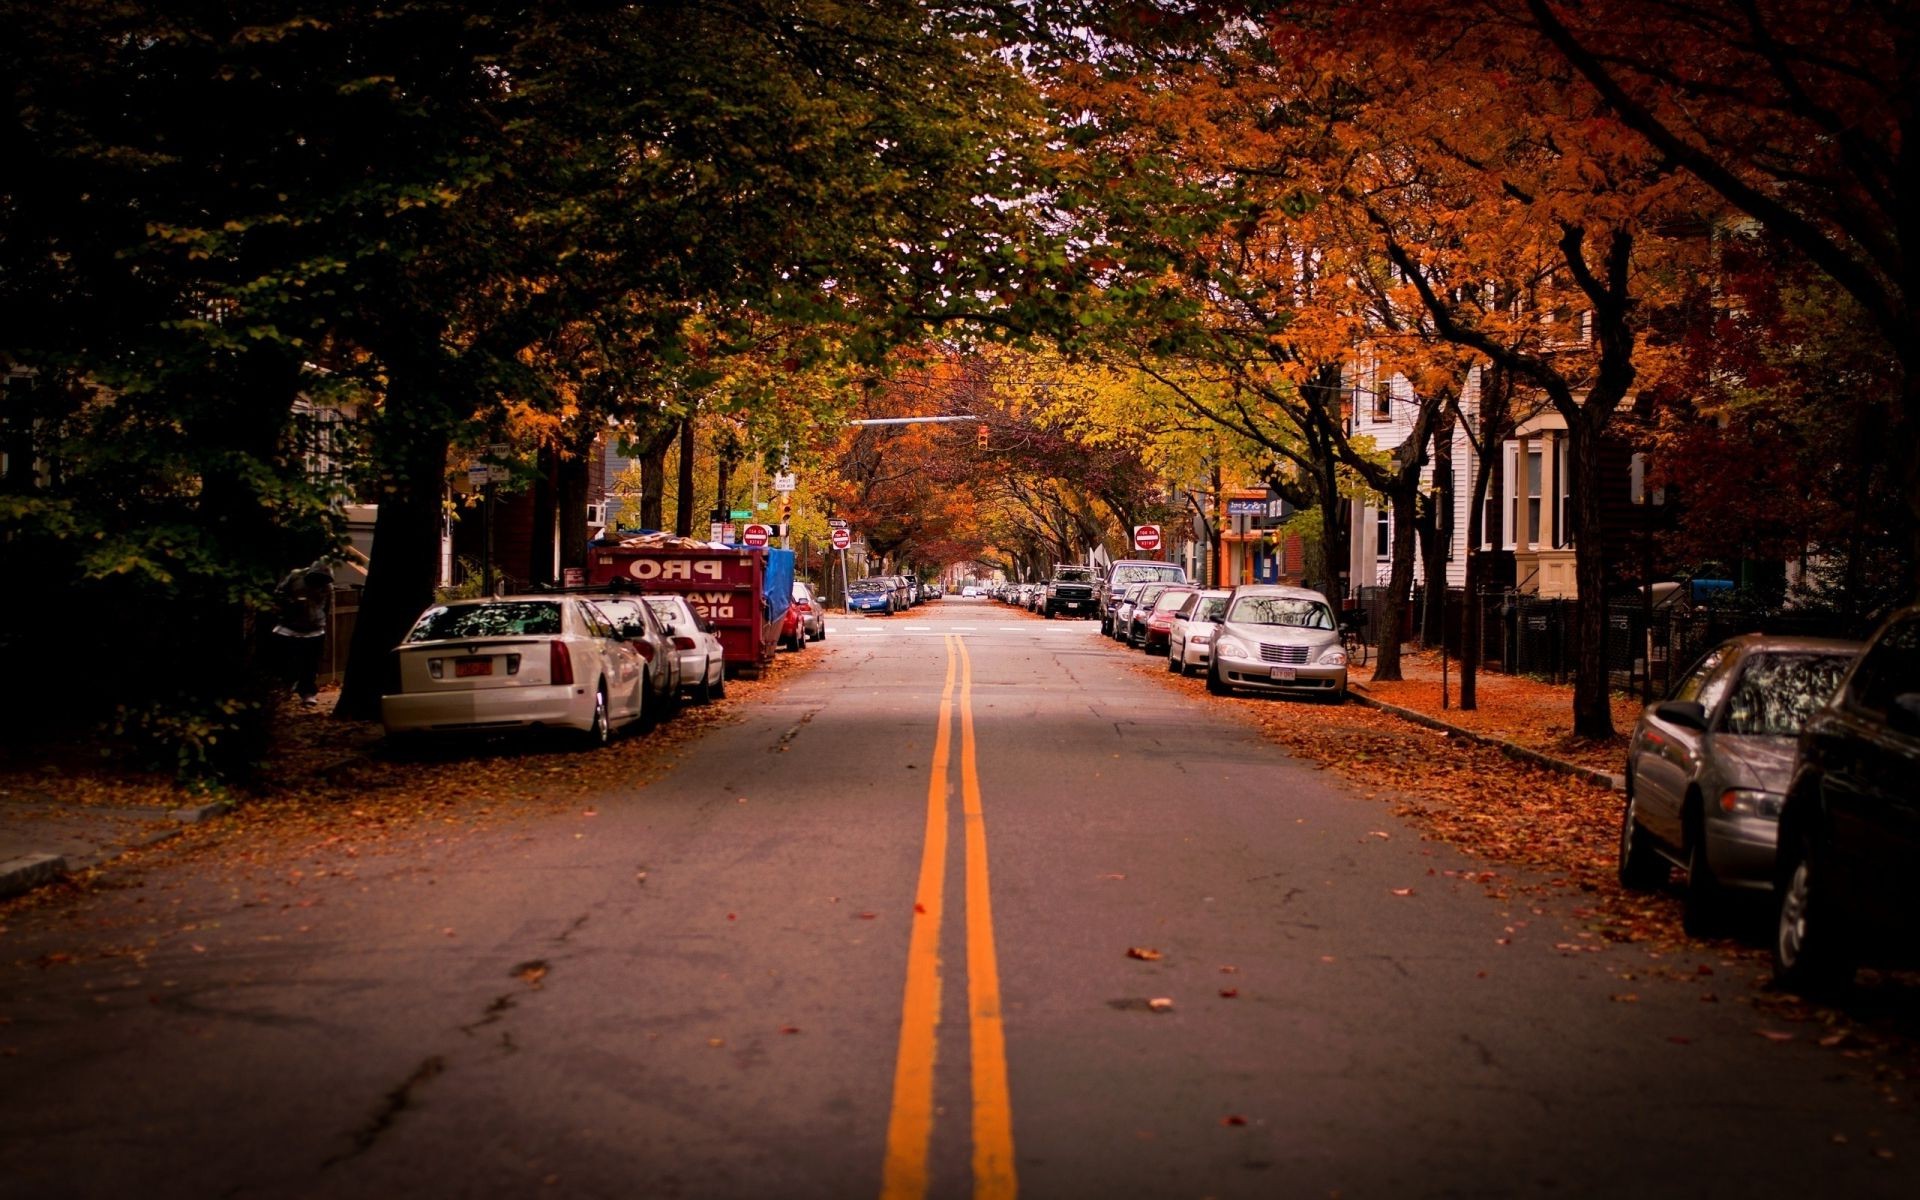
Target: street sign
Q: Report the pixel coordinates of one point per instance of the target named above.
(1146, 537)
(720, 531)
(573, 577)
(785, 482)
(478, 476)
(1246, 508)
(842, 538)
(741, 514)
(836, 522)
(755, 535)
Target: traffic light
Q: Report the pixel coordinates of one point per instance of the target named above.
(980, 433)
(786, 514)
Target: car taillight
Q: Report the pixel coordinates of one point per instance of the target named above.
(645, 650)
(683, 643)
(559, 663)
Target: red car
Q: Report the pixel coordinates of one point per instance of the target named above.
(805, 621)
(1160, 621)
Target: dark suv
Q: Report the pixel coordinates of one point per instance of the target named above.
(1069, 591)
(1850, 830)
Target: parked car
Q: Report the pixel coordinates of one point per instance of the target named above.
(647, 633)
(1190, 637)
(1116, 624)
(803, 617)
(1278, 639)
(1134, 629)
(1070, 591)
(703, 659)
(1707, 768)
(519, 662)
(1159, 623)
(873, 595)
(1850, 830)
(1130, 571)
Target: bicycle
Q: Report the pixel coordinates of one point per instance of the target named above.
(1355, 644)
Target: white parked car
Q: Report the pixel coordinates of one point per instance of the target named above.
(1190, 642)
(516, 662)
(1278, 639)
(703, 660)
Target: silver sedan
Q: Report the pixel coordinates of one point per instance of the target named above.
(1707, 768)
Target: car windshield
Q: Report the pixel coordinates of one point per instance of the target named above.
(1074, 575)
(622, 611)
(1778, 692)
(1141, 574)
(663, 608)
(1281, 610)
(1209, 609)
(1170, 599)
(869, 586)
(515, 618)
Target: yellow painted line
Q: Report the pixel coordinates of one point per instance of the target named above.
(993, 1174)
(910, 1124)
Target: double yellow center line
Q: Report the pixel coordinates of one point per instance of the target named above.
(910, 1126)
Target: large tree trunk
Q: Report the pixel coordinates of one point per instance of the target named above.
(683, 501)
(405, 565)
(1436, 536)
(1592, 705)
(575, 482)
(1471, 617)
(544, 495)
(1405, 500)
(653, 477)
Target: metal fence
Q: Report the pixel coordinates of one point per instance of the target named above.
(1525, 634)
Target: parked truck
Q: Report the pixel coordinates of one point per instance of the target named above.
(744, 592)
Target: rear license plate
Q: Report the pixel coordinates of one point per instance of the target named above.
(1283, 674)
(466, 667)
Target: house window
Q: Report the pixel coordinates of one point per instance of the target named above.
(1563, 484)
(1383, 536)
(1523, 529)
(1382, 404)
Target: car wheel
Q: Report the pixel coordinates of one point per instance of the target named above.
(1703, 904)
(1173, 664)
(703, 692)
(1808, 955)
(1641, 867)
(1216, 683)
(720, 685)
(600, 732)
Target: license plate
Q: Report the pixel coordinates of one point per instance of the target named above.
(1283, 674)
(466, 667)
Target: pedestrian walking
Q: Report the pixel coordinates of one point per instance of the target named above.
(305, 596)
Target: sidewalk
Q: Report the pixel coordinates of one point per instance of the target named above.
(1525, 717)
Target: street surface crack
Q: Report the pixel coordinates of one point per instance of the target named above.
(579, 923)
(786, 739)
(395, 1102)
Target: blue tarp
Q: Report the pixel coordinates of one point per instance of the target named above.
(777, 584)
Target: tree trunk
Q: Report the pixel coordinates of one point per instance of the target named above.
(406, 561)
(683, 507)
(1405, 501)
(1592, 704)
(1433, 569)
(545, 495)
(653, 478)
(1436, 534)
(575, 482)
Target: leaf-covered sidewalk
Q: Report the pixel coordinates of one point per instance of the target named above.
(1515, 708)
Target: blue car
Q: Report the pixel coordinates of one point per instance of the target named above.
(870, 597)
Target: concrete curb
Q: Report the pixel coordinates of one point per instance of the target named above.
(29, 871)
(1604, 779)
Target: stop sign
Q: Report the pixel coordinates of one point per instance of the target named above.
(1146, 537)
(842, 538)
(755, 535)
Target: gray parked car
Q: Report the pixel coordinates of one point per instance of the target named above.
(1278, 639)
(1708, 768)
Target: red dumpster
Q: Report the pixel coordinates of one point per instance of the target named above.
(740, 590)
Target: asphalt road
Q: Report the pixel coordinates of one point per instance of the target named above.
(838, 952)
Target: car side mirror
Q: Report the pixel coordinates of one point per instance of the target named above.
(1903, 714)
(1687, 714)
